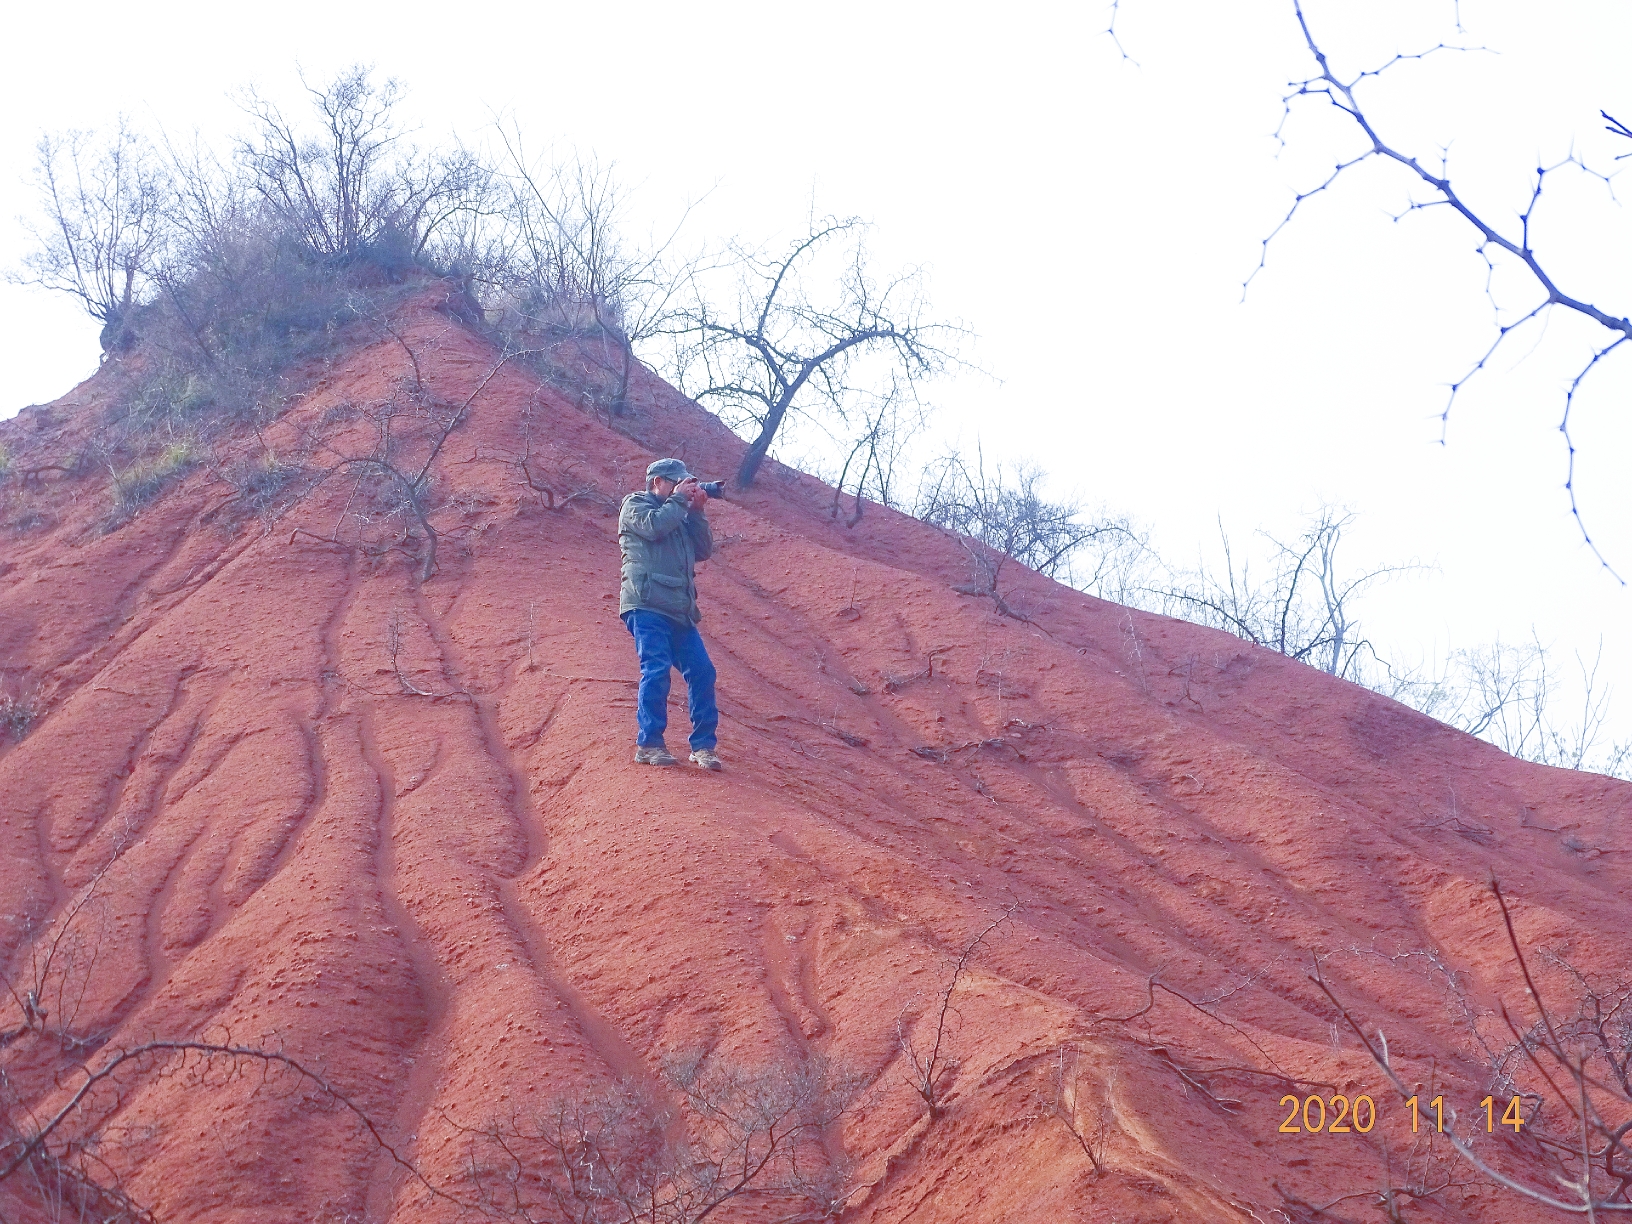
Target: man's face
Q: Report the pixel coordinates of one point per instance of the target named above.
(662, 487)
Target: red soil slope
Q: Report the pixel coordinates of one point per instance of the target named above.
(460, 907)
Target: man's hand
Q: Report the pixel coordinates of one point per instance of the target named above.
(689, 489)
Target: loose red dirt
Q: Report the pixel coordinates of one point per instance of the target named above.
(463, 905)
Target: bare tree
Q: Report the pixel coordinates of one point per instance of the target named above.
(889, 420)
(554, 261)
(242, 301)
(809, 332)
(1091, 1133)
(929, 1058)
(1305, 603)
(1305, 607)
(395, 478)
(354, 185)
(1505, 244)
(1000, 515)
(1509, 695)
(103, 231)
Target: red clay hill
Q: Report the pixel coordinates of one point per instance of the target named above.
(285, 793)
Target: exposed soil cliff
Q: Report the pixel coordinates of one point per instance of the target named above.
(297, 797)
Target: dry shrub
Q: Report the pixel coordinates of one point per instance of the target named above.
(708, 1133)
(19, 711)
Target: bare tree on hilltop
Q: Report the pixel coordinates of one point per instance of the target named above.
(554, 263)
(355, 185)
(103, 234)
(811, 332)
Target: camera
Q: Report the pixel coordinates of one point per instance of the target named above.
(714, 488)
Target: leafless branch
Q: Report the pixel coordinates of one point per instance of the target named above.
(356, 185)
(1110, 32)
(1090, 1136)
(793, 345)
(930, 1067)
(105, 230)
(1552, 1152)
(1340, 93)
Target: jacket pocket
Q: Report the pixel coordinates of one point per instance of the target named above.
(666, 593)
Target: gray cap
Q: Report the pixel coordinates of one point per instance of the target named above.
(668, 469)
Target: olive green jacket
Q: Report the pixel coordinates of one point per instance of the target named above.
(662, 541)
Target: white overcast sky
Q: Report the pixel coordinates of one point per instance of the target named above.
(1091, 218)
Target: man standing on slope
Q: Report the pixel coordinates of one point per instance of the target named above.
(663, 535)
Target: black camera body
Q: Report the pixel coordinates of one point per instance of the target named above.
(714, 488)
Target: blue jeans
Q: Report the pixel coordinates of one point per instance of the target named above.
(661, 644)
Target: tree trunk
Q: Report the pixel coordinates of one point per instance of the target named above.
(749, 467)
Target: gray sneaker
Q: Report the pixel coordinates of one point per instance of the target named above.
(704, 758)
(654, 755)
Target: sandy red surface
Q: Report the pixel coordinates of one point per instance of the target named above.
(460, 907)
